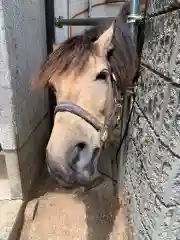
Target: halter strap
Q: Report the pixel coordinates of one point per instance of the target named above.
(80, 112)
(88, 117)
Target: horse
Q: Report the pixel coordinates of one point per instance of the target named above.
(87, 73)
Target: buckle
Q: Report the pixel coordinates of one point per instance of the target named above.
(104, 135)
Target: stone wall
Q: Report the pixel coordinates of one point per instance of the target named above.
(23, 112)
(152, 166)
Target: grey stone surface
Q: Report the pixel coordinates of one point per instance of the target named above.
(150, 159)
(7, 135)
(32, 155)
(152, 174)
(23, 111)
(158, 5)
(4, 182)
(24, 165)
(24, 47)
(161, 104)
(161, 48)
(152, 182)
(14, 177)
(10, 219)
(153, 159)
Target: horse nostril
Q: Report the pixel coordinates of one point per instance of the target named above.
(90, 166)
(81, 146)
(77, 151)
(95, 153)
(83, 159)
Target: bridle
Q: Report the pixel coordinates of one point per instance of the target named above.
(110, 109)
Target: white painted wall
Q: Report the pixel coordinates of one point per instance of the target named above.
(23, 112)
(61, 9)
(23, 48)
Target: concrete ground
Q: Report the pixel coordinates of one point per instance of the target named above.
(4, 182)
(55, 214)
(11, 213)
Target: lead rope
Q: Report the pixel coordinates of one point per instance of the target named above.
(140, 43)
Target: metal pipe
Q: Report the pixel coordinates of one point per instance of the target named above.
(69, 16)
(82, 21)
(135, 7)
(50, 31)
(133, 17)
(50, 37)
(89, 8)
(132, 20)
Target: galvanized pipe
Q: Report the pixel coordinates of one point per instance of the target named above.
(133, 17)
(82, 21)
(89, 8)
(132, 20)
(135, 7)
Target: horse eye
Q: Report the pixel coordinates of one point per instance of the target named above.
(102, 75)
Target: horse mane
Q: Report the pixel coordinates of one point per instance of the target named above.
(70, 55)
(74, 53)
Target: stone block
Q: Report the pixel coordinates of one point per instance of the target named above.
(161, 49)
(7, 119)
(149, 217)
(160, 103)
(30, 116)
(159, 5)
(32, 156)
(150, 161)
(23, 51)
(10, 219)
(152, 173)
(150, 95)
(24, 165)
(4, 182)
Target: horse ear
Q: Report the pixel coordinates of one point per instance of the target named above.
(103, 43)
